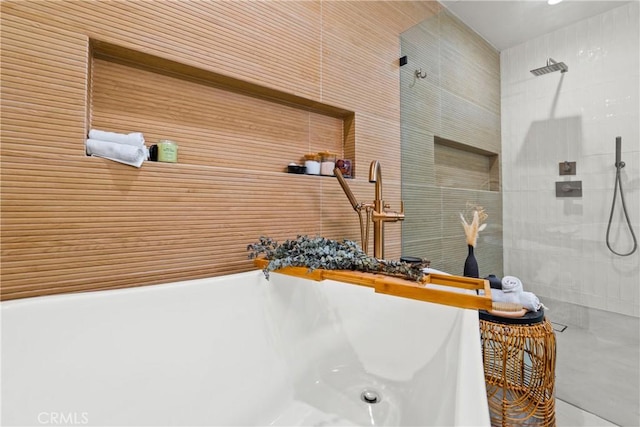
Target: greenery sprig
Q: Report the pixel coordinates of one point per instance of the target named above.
(320, 252)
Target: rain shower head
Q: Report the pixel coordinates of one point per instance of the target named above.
(550, 68)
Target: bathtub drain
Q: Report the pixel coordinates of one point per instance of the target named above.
(370, 396)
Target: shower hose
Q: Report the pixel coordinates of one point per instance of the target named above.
(617, 184)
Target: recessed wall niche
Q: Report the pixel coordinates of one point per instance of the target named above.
(215, 120)
(462, 166)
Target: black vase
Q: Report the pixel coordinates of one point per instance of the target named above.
(471, 265)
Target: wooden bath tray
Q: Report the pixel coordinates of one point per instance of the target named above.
(383, 284)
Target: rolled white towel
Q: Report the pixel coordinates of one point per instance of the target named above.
(135, 138)
(122, 153)
(526, 299)
(511, 284)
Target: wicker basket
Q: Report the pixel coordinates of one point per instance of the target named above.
(519, 368)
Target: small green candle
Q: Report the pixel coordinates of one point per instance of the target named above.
(167, 151)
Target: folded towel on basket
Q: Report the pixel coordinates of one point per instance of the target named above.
(123, 153)
(526, 299)
(136, 138)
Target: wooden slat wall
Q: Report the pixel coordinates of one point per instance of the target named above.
(74, 223)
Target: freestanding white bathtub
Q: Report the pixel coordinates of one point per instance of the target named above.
(238, 350)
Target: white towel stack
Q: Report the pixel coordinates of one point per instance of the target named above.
(119, 147)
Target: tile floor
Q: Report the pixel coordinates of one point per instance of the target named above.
(597, 366)
(568, 415)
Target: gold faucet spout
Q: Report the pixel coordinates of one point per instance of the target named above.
(376, 212)
(375, 175)
(380, 214)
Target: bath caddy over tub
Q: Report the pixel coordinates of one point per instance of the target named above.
(436, 288)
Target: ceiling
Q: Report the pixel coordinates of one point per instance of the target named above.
(505, 24)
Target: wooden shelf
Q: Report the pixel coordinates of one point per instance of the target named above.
(430, 290)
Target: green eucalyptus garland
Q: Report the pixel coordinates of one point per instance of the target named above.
(328, 254)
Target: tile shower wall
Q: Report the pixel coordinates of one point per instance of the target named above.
(557, 245)
(458, 100)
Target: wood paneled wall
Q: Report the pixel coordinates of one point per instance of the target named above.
(76, 223)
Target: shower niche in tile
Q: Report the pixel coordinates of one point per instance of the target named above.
(462, 166)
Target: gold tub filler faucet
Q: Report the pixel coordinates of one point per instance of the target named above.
(376, 211)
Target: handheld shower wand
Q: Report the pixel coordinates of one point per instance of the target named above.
(619, 152)
(618, 183)
(358, 207)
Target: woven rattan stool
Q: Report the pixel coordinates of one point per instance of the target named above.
(519, 358)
